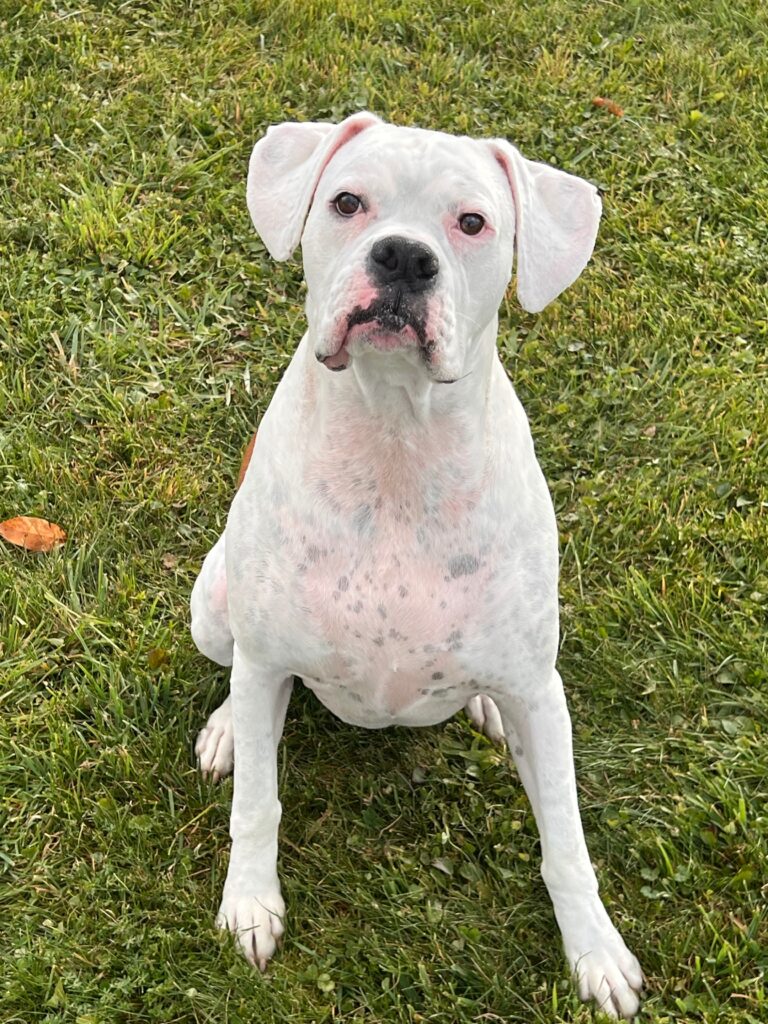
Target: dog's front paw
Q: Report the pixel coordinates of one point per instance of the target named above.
(257, 921)
(607, 972)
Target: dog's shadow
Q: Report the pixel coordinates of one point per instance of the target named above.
(401, 814)
(334, 775)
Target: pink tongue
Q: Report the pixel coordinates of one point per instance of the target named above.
(338, 361)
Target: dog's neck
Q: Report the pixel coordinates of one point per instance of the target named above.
(385, 415)
(396, 390)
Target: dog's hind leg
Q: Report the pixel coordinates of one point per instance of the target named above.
(210, 612)
(213, 638)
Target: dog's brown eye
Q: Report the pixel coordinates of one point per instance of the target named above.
(346, 204)
(471, 223)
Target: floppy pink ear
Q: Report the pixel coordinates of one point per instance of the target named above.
(283, 173)
(556, 221)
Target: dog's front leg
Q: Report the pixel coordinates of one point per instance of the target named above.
(252, 906)
(538, 732)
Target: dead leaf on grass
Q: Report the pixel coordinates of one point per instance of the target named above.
(32, 534)
(610, 105)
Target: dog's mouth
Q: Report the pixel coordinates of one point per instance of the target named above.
(387, 324)
(390, 316)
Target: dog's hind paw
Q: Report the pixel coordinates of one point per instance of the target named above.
(215, 745)
(485, 716)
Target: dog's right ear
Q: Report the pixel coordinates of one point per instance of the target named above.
(285, 168)
(556, 221)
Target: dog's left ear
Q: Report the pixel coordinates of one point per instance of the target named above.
(556, 220)
(283, 173)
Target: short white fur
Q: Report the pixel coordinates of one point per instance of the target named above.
(393, 543)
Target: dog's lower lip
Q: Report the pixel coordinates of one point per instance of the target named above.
(336, 361)
(384, 335)
(390, 314)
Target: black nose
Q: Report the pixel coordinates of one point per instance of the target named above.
(396, 260)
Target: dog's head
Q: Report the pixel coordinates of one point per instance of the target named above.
(408, 235)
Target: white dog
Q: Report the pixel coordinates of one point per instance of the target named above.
(393, 542)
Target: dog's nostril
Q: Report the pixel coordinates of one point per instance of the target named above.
(390, 260)
(427, 266)
(385, 254)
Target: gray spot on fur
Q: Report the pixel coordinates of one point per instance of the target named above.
(437, 675)
(454, 641)
(403, 591)
(518, 751)
(463, 565)
(343, 583)
(382, 611)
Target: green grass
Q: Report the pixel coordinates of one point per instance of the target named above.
(142, 331)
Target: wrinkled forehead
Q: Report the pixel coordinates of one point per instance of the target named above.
(419, 164)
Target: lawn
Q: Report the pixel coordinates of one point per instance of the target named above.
(143, 328)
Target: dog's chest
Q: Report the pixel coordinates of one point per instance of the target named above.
(397, 620)
(381, 606)
(387, 567)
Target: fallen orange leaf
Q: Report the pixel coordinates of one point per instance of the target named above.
(32, 534)
(610, 105)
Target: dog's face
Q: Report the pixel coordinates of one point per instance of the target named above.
(408, 236)
(408, 247)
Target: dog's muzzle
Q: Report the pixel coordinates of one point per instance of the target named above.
(392, 312)
(404, 272)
